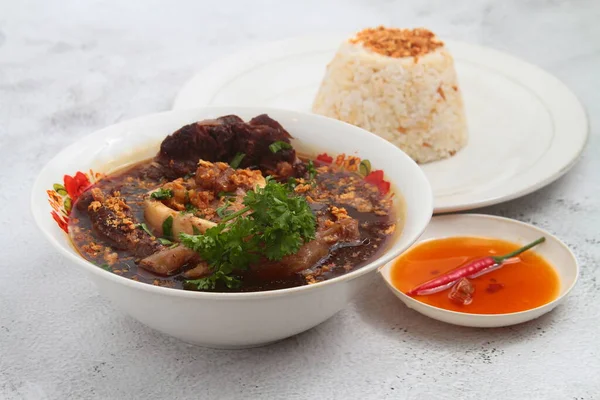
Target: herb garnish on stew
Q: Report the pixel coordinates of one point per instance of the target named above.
(279, 145)
(162, 194)
(237, 160)
(278, 223)
(167, 228)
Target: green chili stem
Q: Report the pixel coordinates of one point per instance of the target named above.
(519, 251)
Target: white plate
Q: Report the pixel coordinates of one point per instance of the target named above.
(553, 250)
(526, 127)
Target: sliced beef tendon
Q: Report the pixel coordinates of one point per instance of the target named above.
(169, 261)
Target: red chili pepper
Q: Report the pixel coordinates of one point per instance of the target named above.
(325, 158)
(473, 268)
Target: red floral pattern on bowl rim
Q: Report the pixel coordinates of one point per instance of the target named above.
(63, 196)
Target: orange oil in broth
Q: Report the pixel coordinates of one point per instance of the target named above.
(526, 284)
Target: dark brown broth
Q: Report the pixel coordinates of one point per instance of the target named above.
(133, 185)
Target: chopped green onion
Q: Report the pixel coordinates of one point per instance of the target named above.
(279, 145)
(312, 171)
(237, 160)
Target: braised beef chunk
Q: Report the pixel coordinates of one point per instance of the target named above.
(112, 218)
(265, 120)
(211, 141)
(254, 139)
(222, 139)
(230, 120)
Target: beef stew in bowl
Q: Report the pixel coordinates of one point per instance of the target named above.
(227, 205)
(239, 316)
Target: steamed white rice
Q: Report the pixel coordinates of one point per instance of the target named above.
(414, 103)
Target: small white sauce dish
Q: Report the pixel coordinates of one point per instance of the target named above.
(232, 320)
(553, 250)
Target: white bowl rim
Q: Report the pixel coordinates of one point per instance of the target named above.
(459, 314)
(377, 263)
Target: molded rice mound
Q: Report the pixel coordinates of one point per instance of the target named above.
(413, 101)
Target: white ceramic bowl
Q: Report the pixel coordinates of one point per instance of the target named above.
(553, 250)
(230, 320)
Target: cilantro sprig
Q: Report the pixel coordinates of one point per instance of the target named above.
(274, 223)
(144, 227)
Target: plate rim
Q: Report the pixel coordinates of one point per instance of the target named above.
(294, 45)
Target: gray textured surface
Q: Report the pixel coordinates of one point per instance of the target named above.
(68, 68)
